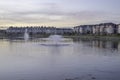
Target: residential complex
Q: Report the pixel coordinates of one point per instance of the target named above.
(97, 29)
(103, 28)
(39, 30)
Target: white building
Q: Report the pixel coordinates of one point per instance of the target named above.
(102, 29)
(95, 29)
(88, 29)
(81, 30)
(39, 30)
(118, 28)
(111, 28)
(76, 29)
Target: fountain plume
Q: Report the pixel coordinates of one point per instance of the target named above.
(26, 35)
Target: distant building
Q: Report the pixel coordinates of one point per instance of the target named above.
(39, 30)
(104, 28)
(77, 29)
(94, 29)
(118, 28)
(110, 28)
(83, 29)
(97, 29)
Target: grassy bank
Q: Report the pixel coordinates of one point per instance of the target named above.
(73, 36)
(95, 37)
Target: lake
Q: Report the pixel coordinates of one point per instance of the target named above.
(79, 60)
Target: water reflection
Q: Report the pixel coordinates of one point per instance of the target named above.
(32, 61)
(114, 45)
(97, 47)
(106, 44)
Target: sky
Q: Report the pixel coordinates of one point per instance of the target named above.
(58, 13)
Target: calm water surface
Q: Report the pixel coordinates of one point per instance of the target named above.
(80, 60)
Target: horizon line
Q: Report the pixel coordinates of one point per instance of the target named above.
(55, 26)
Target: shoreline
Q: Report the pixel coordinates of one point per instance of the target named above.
(95, 37)
(86, 37)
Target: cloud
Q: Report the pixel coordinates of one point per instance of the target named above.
(49, 12)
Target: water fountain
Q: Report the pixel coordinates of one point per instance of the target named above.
(55, 40)
(26, 35)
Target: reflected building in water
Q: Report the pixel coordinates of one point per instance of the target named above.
(106, 44)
